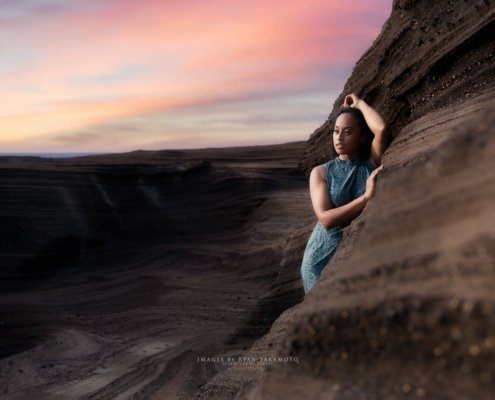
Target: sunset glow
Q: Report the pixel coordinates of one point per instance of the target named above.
(111, 76)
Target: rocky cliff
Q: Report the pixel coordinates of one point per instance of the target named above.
(406, 308)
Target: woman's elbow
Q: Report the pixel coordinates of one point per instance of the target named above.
(326, 222)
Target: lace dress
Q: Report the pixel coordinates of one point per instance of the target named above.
(346, 180)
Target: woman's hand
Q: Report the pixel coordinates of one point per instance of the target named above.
(370, 183)
(351, 100)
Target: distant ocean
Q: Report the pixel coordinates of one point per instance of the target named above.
(49, 155)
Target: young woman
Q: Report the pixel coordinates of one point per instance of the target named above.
(341, 187)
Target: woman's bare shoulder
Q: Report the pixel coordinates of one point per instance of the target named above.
(320, 171)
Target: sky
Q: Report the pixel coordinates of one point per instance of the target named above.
(123, 75)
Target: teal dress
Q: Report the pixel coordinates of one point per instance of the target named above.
(346, 180)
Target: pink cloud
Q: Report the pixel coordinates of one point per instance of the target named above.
(196, 52)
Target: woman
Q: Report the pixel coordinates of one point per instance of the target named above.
(341, 187)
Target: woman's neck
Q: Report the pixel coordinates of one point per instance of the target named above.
(347, 157)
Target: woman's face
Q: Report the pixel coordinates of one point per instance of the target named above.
(347, 136)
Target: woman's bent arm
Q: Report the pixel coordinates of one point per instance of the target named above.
(328, 215)
(343, 215)
(373, 118)
(381, 130)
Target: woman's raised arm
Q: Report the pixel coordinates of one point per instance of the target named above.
(377, 124)
(379, 127)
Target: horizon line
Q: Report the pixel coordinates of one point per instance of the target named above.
(163, 149)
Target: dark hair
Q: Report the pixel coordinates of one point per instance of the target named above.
(365, 150)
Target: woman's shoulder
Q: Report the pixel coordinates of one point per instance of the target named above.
(322, 170)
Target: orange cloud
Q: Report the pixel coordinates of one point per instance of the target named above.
(96, 62)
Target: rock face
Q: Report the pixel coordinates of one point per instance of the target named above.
(119, 272)
(405, 309)
(426, 58)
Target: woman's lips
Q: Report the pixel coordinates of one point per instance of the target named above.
(339, 146)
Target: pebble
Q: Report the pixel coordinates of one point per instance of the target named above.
(474, 350)
(406, 388)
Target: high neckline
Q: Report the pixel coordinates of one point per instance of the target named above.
(350, 162)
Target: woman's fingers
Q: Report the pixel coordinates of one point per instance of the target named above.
(379, 169)
(348, 100)
(376, 171)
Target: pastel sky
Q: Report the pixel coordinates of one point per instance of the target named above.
(121, 75)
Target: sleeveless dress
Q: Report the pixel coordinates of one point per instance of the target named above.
(346, 180)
